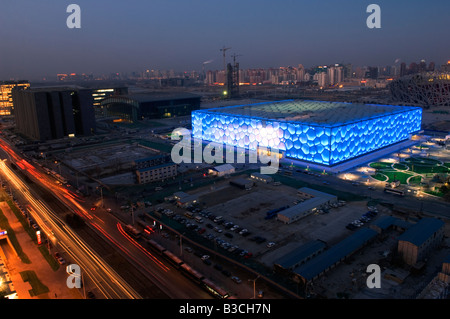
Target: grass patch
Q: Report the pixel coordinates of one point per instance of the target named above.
(439, 194)
(402, 167)
(422, 161)
(380, 177)
(416, 180)
(397, 176)
(381, 165)
(429, 169)
(31, 232)
(51, 261)
(37, 287)
(4, 224)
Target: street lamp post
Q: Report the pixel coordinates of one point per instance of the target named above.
(254, 286)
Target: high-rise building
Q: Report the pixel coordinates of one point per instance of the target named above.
(53, 113)
(446, 67)
(6, 101)
(403, 69)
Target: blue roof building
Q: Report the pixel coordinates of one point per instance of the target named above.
(418, 241)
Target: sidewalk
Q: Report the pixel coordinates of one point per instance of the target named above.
(54, 280)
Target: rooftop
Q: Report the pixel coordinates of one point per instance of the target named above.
(333, 255)
(420, 232)
(312, 112)
(160, 96)
(300, 253)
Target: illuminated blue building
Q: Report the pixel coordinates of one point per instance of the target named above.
(326, 133)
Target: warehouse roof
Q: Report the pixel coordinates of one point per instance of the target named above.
(336, 253)
(160, 96)
(420, 232)
(223, 168)
(300, 253)
(316, 193)
(312, 112)
(156, 167)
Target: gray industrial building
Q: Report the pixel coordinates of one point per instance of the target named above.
(53, 113)
(333, 256)
(299, 255)
(313, 200)
(417, 242)
(151, 105)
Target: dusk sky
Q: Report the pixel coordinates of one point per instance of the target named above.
(134, 35)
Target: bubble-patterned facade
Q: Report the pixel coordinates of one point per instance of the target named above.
(324, 133)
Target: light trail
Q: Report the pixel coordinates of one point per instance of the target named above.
(94, 266)
(139, 246)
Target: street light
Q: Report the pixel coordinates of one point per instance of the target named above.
(254, 286)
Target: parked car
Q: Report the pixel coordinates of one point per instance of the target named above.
(207, 262)
(236, 279)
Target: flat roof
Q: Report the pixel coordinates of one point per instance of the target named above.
(223, 168)
(316, 193)
(146, 159)
(418, 233)
(344, 248)
(300, 253)
(312, 112)
(303, 207)
(156, 167)
(160, 96)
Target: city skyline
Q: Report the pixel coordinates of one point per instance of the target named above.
(117, 36)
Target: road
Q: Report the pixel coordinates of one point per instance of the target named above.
(427, 205)
(130, 266)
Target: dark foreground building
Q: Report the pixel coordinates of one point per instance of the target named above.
(53, 113)
(154, 105)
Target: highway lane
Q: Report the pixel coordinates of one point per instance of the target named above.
(154, 272)
(106, 279)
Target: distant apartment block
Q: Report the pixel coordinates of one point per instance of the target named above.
(6, 101)
(53, 113)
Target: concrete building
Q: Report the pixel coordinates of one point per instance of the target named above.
(334, 255)
(53, 113)
(151, 105)
(151, 161)
(6, 101)
(299, 256)
(243, 183)
(313, 200)
(261, 177)
(156, 173)
(419, 240)
(184, 199)
(222, 170)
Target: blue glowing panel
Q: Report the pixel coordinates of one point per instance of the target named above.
(326, 144)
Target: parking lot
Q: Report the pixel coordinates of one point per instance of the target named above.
(233, 219)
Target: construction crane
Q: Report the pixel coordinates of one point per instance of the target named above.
(234, 56)
(224, 50)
